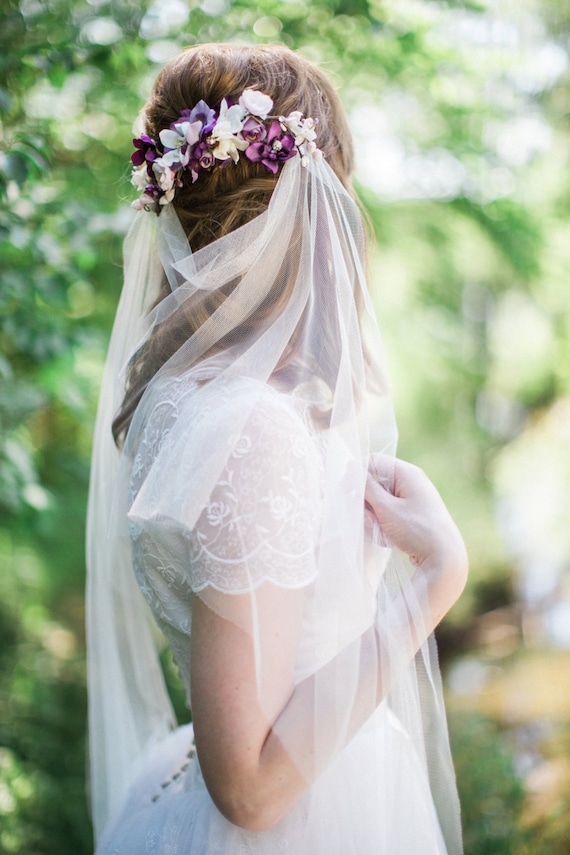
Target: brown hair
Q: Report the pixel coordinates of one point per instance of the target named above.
(225, 199)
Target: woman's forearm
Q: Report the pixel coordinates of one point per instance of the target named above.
(260, 754)
(290, 761)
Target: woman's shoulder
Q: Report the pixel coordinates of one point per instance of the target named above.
(229, 400)
(240, 435)
(186, 415)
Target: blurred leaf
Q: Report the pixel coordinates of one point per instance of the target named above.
(5, 100)
(16, 167)
(464, 221)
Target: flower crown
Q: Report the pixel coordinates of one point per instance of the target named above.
(203, 137)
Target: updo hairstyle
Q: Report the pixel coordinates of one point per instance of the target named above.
(226, 198)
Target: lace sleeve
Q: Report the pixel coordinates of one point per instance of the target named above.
(225, 495)
(261, 520)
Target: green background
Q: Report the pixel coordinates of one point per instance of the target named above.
(460, 115)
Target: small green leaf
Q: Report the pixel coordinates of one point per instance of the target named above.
(16, 167)
(5, 100)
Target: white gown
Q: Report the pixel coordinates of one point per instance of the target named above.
(260, 524)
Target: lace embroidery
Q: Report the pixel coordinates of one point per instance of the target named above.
(259, 524)
(261, 521)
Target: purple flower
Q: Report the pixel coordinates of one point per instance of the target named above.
(202, 160)
(201, 113)
(276, 149)
(145, 150)
(253, 130)
(203, 138)
(154, 191)
(206, 160)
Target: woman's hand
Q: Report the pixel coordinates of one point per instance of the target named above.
(413, 518)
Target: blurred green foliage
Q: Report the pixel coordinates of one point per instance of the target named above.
(492, 795)
(459, 110)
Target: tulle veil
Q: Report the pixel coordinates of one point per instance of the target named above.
(295, 335)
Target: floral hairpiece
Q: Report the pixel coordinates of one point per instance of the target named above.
(203, 137)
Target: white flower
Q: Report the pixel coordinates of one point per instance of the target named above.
(230, 120)
(216, 512)
(173, 139)
(225, 143)
(140, 177)
(303, 129)
(256, 103)
(305, 136)
(142, 202)
(169, 158)
(279, 506)
(167, 198)
(242, 446)
(308, 148)
(229, 146)
(164, 175)
(298, 446)
(292, 122)
(306, 132)
(184, 133)
(309, 151)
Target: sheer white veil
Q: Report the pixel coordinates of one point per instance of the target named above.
(296, 335)
(128, 702)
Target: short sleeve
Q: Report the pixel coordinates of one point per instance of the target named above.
(226, 496)
(261, 520)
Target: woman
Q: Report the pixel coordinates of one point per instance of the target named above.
(258, 501)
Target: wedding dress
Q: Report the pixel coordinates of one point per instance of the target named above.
(244, 469)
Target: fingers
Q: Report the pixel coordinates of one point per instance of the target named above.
(378, 496)
(413, 517)
(398, 477)
(383, 509)
(381, 468)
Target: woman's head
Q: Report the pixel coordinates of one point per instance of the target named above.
(226, 198)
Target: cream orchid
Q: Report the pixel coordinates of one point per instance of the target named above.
(230, 122)
(140, 177)
(164, 174)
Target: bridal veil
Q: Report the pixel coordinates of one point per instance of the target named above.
(288, 365)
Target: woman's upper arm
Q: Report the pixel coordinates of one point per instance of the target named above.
(242, 668)
(251, 557)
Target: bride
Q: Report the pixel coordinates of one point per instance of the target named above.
(244, 480)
